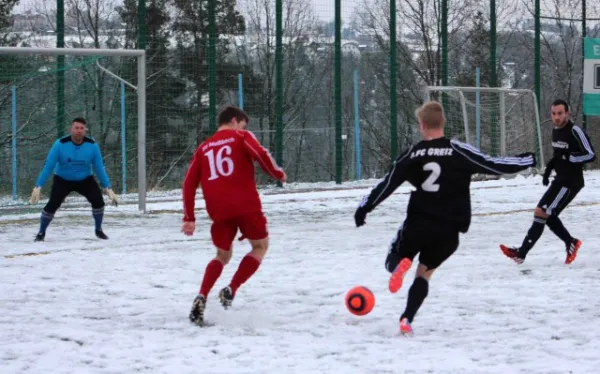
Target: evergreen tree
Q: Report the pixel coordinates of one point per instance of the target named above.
(6, 7)
(191, 30)
(475, 55)
(167, 117)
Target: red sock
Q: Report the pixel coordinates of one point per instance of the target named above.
(211, 274)
(247, 268)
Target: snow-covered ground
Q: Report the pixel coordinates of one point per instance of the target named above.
(74, 304)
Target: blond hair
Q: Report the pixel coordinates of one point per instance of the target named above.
(431, 114)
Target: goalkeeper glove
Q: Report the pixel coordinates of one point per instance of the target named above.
(359, 216)
(112, 196)
(35, 194)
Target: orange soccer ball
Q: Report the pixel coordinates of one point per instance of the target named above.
(360, 301)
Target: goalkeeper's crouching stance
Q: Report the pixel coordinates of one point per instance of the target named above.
(72, 158)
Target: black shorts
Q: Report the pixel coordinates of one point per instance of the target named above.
(557, 197)
(434, 241)
(61, 188)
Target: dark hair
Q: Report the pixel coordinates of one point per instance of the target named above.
(79, 120)
(561, 102)
(230, 113)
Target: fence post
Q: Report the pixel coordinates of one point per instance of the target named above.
(356, 126)
(493, 36)
(337, 77)
(502, 120)
(60, 68)
(537, 54)
(583, 36)
(477, 110)
(212, 65)
(241, 91)
(393, 93)
(123, 140)
(14, 141)
(279, 82)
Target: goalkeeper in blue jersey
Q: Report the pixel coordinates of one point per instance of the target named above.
(71, 158)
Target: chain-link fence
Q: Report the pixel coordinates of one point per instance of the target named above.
(331, 86)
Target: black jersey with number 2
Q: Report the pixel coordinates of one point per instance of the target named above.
(441, 170)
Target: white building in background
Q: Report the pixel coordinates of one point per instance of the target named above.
(351, 47)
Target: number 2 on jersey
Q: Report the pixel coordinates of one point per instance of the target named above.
(221, 165)
(429, 184)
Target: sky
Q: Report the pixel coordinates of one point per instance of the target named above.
(325, 9)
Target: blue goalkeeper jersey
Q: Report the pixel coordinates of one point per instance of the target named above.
(74, 162)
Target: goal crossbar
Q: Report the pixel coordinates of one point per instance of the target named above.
(502, 91)
(481, 89)
(140, 54)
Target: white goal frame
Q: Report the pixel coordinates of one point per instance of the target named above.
(140, 54)
(502, 92)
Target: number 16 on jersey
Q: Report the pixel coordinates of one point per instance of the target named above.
(220, 165)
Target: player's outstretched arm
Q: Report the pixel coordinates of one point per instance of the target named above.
(49, 165)
(479, 162)
(263, 157)
(588, 154)
(99, 168)
(190, 185)
(390, 182)
(100, 171)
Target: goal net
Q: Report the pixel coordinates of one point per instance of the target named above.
(43, 89)
(497, 121)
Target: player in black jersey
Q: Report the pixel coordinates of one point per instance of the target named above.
(572, 148)
(439, 208)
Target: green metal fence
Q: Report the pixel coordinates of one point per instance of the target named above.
(331, 86)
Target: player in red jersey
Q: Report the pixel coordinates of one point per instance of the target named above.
(223, 166)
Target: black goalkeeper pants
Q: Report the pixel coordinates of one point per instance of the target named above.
(61, 188)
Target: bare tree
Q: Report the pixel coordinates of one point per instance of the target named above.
(561, 51)
(88, 91)
(6, 7)
(89, 22)
(418, 51)
(307, 80)
(562, 58)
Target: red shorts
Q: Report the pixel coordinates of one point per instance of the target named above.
(253, 226)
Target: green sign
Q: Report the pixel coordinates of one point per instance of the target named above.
(591, 77)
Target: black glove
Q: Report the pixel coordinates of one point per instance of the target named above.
(359, 216)
(527, 154)
(547, 172)
(546, 178)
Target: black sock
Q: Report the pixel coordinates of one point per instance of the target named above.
(557, 227)
(534, 233)
(45, 220)
(98, 214)
(416, 294)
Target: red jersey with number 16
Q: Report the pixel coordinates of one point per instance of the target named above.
(223, 165)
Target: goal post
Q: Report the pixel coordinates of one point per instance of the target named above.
(28, 78)
(498, 121)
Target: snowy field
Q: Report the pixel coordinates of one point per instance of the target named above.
(74, 304)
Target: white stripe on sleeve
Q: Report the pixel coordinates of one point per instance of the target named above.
(585, 145)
